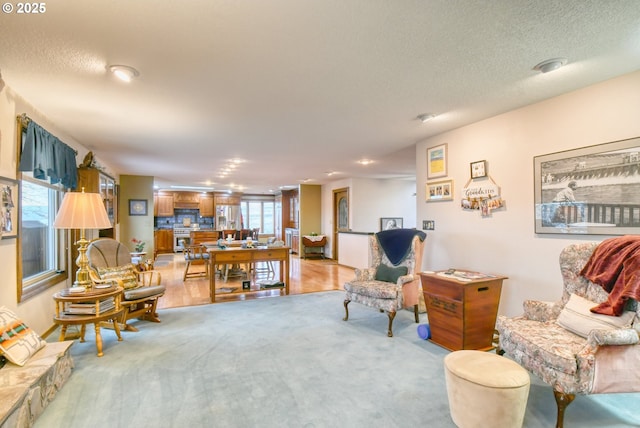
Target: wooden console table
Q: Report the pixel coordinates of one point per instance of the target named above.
(238, 255)
(462, 313)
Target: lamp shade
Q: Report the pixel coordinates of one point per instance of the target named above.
(81, 210)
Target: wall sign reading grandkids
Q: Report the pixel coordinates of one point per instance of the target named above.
(481, 195)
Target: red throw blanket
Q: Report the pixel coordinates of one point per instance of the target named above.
(615, 265)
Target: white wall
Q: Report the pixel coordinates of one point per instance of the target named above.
(505, 242)
(368, 201)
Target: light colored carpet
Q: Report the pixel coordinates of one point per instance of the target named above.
(281, 362)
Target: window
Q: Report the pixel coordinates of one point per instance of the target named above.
(259, 213)
(42, 248)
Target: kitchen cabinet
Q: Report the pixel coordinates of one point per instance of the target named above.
(292, 239)
(163, 241)
(287, 211)
(295, 241)
(207, 205)
(163, 206)
(228, 199)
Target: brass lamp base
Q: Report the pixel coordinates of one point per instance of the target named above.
(82, 274)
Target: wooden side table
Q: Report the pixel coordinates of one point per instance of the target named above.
(462, 312)
(90, 301)
(314, 245)
(138, 257)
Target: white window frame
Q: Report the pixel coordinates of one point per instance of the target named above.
(58, 246)
(244, 208)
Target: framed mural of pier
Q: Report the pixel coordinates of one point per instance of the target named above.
(592, 190)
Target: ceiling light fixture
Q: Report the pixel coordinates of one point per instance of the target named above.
(365, 161)
(426, 117)
(550, 65)
(192, 187)
(124, 72)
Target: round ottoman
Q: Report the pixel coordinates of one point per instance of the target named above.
(485, 389)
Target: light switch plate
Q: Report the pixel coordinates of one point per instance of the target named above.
(428, 225)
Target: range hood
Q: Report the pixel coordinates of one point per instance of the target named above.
(186, 205)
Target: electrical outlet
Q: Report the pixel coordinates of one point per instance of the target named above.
(428, 225)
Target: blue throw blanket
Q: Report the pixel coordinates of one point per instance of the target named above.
(396, 243)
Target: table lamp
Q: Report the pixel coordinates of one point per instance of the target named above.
(80, 210)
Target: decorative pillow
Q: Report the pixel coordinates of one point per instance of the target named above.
(577, 317)
(390, 274)
(125, 273)
(17, 341)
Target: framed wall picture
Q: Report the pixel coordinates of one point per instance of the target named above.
(478, 169)
(137, 207)
(437, 161)
(591, 190)
(8, 208)
(440, 190)
(388, 223)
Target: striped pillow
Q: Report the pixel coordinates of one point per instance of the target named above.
(17, 341)
(125, 273)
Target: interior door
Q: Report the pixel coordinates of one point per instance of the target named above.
(340, 217)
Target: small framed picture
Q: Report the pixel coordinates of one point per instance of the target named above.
(388, 223)
(8, 208)
(137, 207)
(479, 169)
(439, 191)
(437, 161)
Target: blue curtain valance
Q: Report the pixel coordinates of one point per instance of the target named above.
(47, 156)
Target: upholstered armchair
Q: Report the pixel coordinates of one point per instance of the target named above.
(109, 262)
(391, 282)
(567, 346)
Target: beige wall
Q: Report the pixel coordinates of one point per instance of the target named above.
(139, 227)
(505, 242)
(310, 209)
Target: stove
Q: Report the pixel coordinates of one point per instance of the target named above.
(181, 233)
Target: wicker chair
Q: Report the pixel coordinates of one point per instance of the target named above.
(110, 261)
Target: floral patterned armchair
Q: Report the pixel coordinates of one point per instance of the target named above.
(389, 284)
(600, 359)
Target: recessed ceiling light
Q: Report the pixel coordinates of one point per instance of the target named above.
(550, 65)
(426, 117)
(124, 72)
(365, 161)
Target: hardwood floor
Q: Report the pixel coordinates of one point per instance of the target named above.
(306, 276)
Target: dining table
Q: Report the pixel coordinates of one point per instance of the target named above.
(232, 255)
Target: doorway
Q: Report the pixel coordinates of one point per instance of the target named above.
(340, 217)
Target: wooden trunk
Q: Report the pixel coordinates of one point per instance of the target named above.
(462, 314)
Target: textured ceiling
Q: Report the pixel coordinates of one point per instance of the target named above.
(298, 88)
